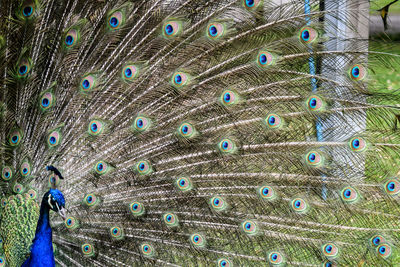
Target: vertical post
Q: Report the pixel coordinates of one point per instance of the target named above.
(346, 26)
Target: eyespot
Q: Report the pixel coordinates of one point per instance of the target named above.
(147, 250)
(376, 240)
(23, 68)
(170, 219)
(54, 139)
(136, 208)
(315, 103)
(88, 83)
(32, 193)
(228, 98)
(330, 250)
(95, 127)
(357, 144)
(227, 146)
(6, 173)
(314, 159)
(28, 9)
(47, 101)
(141, 124)
(143, 167)
(273, 121)
(299, 205)
(224, 263)
(25, 169)
(88, 250)
(101, 167)
(179, 79)
(115, 20)
(117, 233)
(172, 28)
(249, 227)
(71, 38)
(215, 30)
(358, 72)
(308, 35)
(197, 240)
(218, 203)
(130, 72)
(275, 258)
(265, 59)
(15, 137)
(349, 194)
(54, 181)
(392, 187)
(18, 188)
(91, 200)
(71, 223)
(4, 202)
(251, 4)
(266, 192)
(184, 184)
(186, 130)
(329, 264)
(384, 250)
(2, 260)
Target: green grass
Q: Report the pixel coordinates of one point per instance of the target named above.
(378, 4)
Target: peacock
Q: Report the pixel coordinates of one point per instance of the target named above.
(196, 133)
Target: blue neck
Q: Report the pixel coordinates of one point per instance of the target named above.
(42, 247)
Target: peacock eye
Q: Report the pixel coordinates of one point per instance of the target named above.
(299, 205)
(229, 98)
(172, 28)
(90, 200)
(197, 240)
(330, 250)
(6, 173)
(88, 83)
(384, 250)
(266, 192)
(392, 187)
(179, 80)
(88, 250)
(227, 146)
(116, 233)
(184, 184)
(251, 4)
(224, 263)
(265, 59)
(275, 258)
(249, 227)
(15, 137)
(23, 68)
(71, 38)
(273, 121)
(377, 240)
(215, 30)
(349, 194)
(308, 35)
(54, 139)
(170, 219)
(143, 167)
(28, 9)
(147, 250)
(130, 72)
(217, 203)
(47, 101)
(136, 208)
(115, 20)
(357, 72)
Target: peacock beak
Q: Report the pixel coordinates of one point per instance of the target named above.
(62, 213)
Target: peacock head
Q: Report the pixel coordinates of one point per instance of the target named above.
(56, 202)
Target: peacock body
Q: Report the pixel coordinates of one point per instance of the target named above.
(196, 133)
